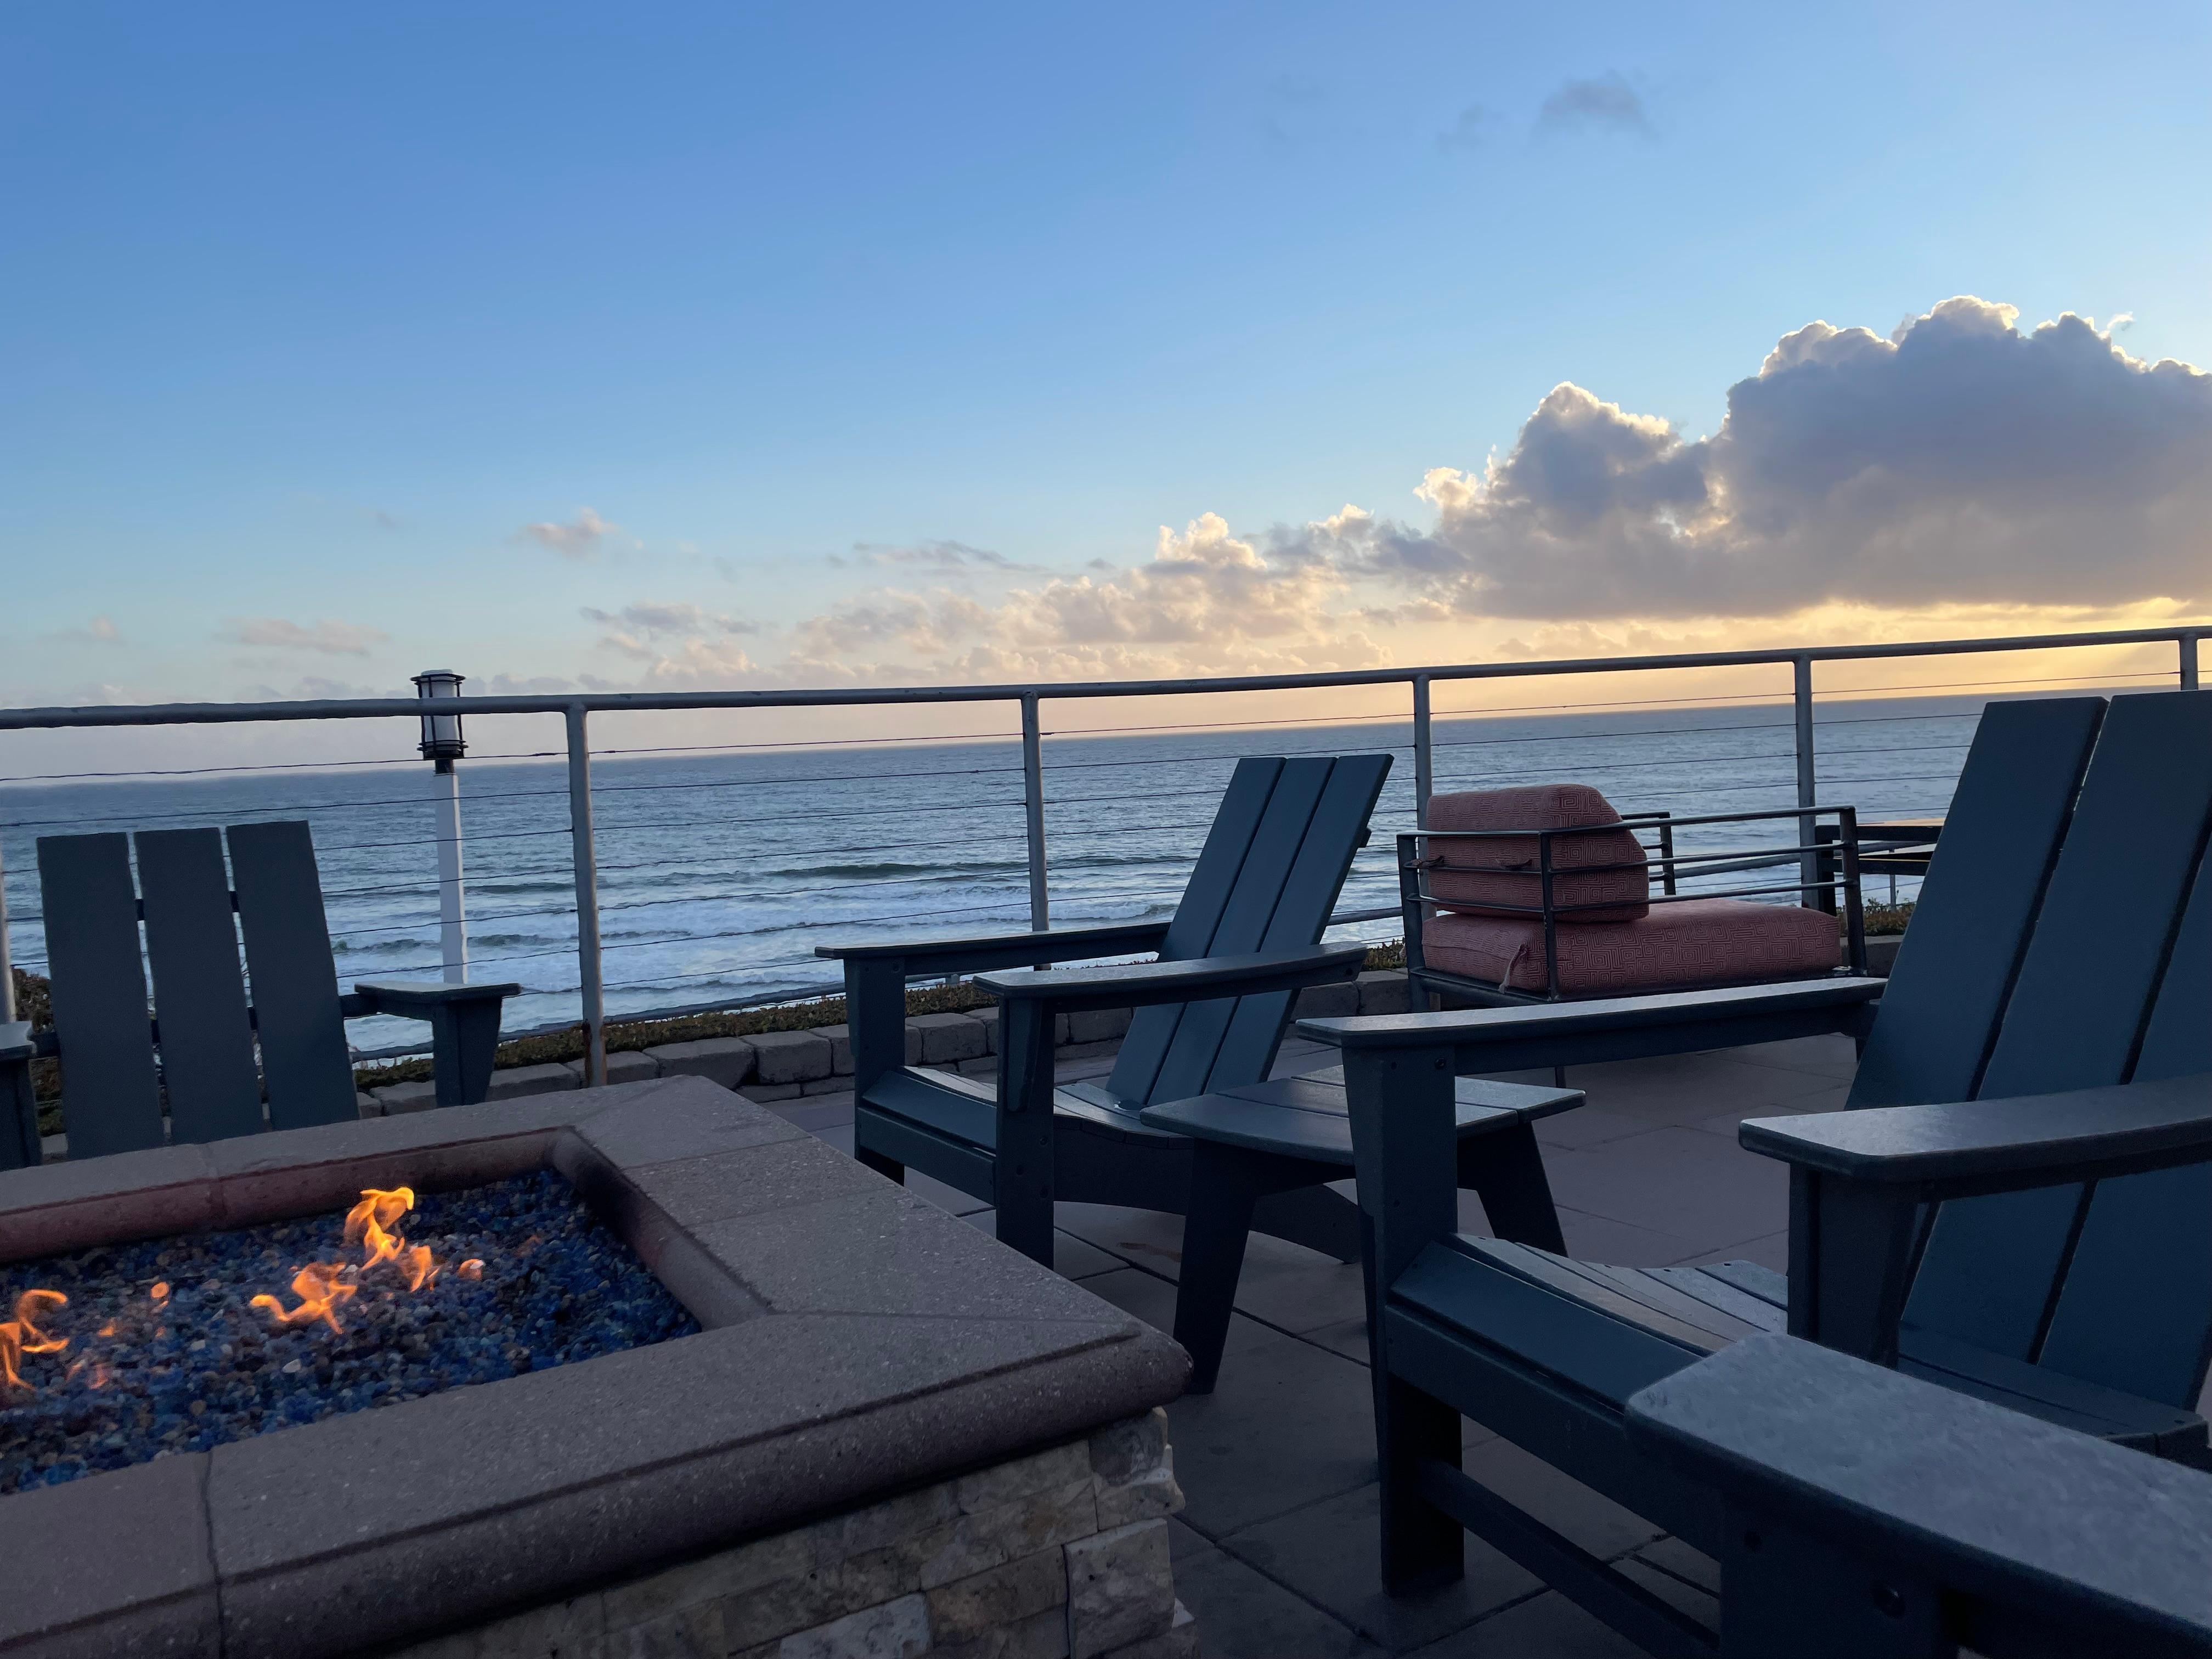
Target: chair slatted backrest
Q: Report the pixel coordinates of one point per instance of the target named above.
(112, 1088)
(191, 944)
(1267, 879)
(1977, 904)
(304, 1062)
(2113, 1285)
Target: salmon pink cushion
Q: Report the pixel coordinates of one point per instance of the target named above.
(1477, 876)
(1674, 947)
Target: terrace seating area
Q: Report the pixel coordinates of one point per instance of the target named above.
(1584, 1363)
(1276, 1551)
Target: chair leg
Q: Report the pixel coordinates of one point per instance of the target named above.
(1506, 1171)
(1423, 1547)
(19, 1117)
(1214, 1230)
(881, 1164)
(463, 1044)
(1023, 1175)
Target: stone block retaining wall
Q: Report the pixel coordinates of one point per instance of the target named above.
(774, 1066)
(1062, 1554)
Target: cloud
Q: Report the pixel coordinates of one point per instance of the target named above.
(1958, 461)
(1608, 103)
(635, 628)
(1960, 475)
(100, 630)
(335, 639)
(1471, 132)
(577, 540)
(944, 557)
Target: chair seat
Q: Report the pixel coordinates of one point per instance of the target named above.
(1698, 942)
(1306, 1117)
(1609, 1331)
(966, 1107)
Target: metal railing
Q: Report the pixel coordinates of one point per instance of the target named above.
(1029, 699)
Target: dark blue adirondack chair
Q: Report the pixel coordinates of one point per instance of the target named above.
(1214, 1005)
(1872, 1515)
(204, 1032)
(2031, 1242)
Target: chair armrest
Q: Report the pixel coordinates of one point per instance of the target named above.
(464, 1022)
(1616, 1028)
(1137, 984)
(2032, 1533)
(15, 1042)
(414, 998)
(1999, 1145)
(973, 952)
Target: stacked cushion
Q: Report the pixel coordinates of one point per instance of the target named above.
(1611, 939)
(1474, 877)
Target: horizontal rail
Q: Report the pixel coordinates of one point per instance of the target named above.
(195, 713)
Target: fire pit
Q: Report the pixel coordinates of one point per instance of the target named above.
(117, 1354)
(744, 1390)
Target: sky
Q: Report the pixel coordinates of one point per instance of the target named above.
(693, 347)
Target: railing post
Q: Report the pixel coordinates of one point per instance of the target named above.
(2188, 643)
(453, 908)
(7, 968)
(590, 984)
(1809, 784)
(1033, 810)
(1423, 759)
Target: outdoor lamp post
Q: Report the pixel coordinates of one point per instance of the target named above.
(442, 745)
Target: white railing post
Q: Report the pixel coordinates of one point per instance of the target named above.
(1809, 784)
(453, 908)
(590, 985)
(1424, 760)
(1033, 810)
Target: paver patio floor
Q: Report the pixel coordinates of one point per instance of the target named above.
(1276, 1552)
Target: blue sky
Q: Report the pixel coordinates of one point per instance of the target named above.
(884, 342)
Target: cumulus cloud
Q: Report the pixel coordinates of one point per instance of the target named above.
(333, 639)
(1608, 103)
(1959, 474)
(1958, 461)
(579, 538)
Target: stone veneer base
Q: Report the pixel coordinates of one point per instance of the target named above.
(857, 1343)
(1062, 1554)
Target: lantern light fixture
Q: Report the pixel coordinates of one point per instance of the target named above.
(441, 732)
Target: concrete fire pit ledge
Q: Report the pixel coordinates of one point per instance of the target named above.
(857, 1344)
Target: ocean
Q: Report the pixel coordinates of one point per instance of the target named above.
(720, 871)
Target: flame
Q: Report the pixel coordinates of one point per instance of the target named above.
(473, 1268)
(421, 1267)
(367, 1222)
(320, 1287)
(161, 1291)
(23, 1333)
(31, 1307)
